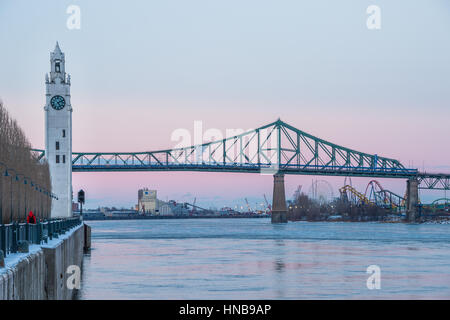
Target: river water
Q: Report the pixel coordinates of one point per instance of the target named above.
(254, 259)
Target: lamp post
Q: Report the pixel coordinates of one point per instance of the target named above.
(31, 197)
(11, 201)
(19, 195)
(11, 193)
(46, 201)
(42, 202)
(46, 194)
(36, 187)
(41, 207)
(81, 201)
(1, 193)
(25, 182)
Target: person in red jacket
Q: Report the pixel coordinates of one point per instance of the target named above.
(31, 218)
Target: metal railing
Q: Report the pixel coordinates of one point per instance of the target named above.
(39, 233)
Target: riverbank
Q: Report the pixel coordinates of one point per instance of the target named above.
(441, 221)
(42, 273)
(137, 217)
(394, 218)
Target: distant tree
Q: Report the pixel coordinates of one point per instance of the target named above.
(305, 208)
(16, 155)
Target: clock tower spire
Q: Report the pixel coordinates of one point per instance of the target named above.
(57, 64)
(58, 133)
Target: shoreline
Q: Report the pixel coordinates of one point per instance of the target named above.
(437, 221)
(174, 217)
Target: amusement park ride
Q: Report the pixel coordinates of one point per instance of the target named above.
(375, 194)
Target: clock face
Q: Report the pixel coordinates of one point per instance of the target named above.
(57, 102)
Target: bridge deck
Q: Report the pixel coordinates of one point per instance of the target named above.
(276, 147)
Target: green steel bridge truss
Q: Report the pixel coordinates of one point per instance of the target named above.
(274, 148)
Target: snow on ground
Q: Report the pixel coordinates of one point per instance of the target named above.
(13, 259)
(56, 241)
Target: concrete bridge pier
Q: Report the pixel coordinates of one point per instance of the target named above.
(412, 199)
(279, 210)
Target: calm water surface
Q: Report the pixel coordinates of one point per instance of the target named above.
(253, 259)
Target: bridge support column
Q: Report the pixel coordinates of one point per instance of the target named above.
(279, 210)
(412, 199)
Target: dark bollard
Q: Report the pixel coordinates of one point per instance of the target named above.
(41, 232)
(87, 238)
(34, 233)
(50, 230)
(2, 259)
(23, 246)
(37, 233)
(2, 238)
(27, 232)
(14, 238)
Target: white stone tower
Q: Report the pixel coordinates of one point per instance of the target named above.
(58, 134)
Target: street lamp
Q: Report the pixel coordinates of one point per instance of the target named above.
(48, 198)
(25, 182)
(18, 194)
(32, 205)
(39, 206)
(1, 192)
(11, 193)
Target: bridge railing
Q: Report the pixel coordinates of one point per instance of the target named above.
(12, 234)
(247, 167)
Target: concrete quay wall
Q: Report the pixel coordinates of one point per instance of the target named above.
(42, 275)
(26, 280)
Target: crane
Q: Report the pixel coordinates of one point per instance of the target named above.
(248, 206)
(269, 207)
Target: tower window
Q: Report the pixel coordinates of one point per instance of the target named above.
(64, 133)
(57, 66)
(57, 158)
(64, 158)
(57, 145)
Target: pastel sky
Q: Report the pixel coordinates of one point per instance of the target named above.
(142, 69)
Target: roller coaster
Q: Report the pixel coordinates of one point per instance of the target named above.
(439, 204)
(353, 196)
(436, 203)
(383, 197)
(375, 195)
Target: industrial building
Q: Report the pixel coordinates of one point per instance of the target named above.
(147, 202)
(172, 207)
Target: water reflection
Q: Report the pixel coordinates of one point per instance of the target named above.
(221, 259)
(279, 266)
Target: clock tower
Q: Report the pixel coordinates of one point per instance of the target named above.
(58, 133)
